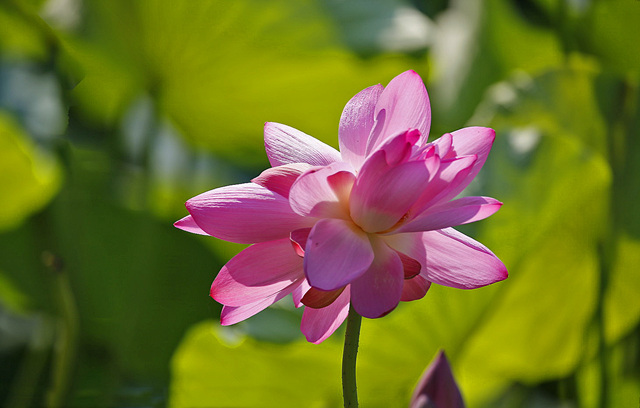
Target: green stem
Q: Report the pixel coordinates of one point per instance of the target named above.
(349, 355)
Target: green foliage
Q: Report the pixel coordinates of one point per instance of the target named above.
(168, 98)
(211, 367)
(29, 178)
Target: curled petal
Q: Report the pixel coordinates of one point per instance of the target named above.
(317, 299)
(279, 179)
(286, 145)
(299, 291)
(378, 291)
(404, 104)
(410, 266)
(322, 191)
(451, 173)
(188, 224)
(318, 324)
(299, 240)
(356, 123)
(258, 272)
(337, 252)
(468, 141)
(443, 145)
(457, 212)
(245, 213)
(382, 194)
(414, 288)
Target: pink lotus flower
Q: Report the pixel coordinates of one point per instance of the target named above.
(367, 226)
(437, 387)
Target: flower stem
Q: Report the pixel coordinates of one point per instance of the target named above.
(349, 354)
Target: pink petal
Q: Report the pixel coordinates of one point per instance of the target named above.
(451, 174)
(457, 212)
(299, 292)
(188, 224)
(399, 148)
(414, 288)
(356, 123)
(318, 324)
(444, 145)
(450, 258)
(454, 259)
(437, 387)
(317, 299)
(383, 194)
(410, 266)
(404, 104)
(336, 253)
(258, 272)
(469, 141)
(378, 291)
(279, 179)
(245, 213)
(234, 314)
(322, 192)
(299, 240)
(286, 145)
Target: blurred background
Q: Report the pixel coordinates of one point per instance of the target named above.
(114, 113)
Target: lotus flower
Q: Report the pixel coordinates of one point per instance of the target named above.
(437, 387)
(363, 227)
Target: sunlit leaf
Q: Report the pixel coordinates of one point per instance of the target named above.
(28, 177)
(220, 70)
(209, 370)
(610, 30)
(19, 37)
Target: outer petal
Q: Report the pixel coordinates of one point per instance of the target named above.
(457, 212)
(404, 104)
(245, 213)
(258, 272)
(188, 224)
(323, 191)
(383, 194)
(285, 145)
(318, 324)
(378, 291)
(469, 141)
(414, 288)
(279, 179)
(234, 314)
(337, 252)
(451, 258)
(356, 123)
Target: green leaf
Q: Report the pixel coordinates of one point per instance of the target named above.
(19, 37)
(29, 178)
(211, 370)
(610, 31)
(220, 70)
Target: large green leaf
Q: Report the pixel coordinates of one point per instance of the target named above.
(609, 30)
(209, 370)
(220, 70)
